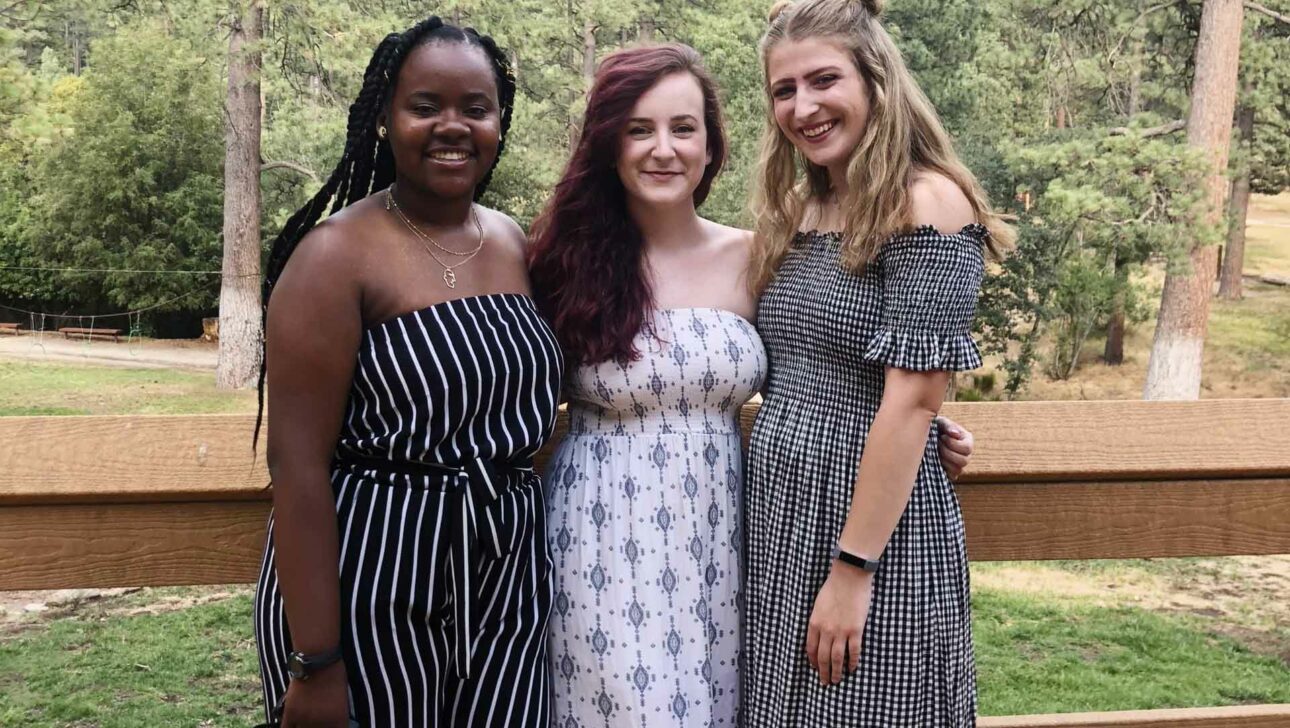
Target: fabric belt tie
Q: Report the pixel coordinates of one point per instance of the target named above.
(485, 514)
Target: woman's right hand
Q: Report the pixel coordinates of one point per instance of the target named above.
(322, 701)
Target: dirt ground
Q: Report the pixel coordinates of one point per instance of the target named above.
(139, 354)
(24, 610)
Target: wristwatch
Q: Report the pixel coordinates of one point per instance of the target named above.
(300, 666)
(846, 557)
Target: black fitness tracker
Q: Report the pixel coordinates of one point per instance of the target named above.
(846, 557)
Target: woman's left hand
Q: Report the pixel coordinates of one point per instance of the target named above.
(955, 446)
(836, 629)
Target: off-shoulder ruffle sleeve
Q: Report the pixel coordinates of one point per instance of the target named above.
(930, 282)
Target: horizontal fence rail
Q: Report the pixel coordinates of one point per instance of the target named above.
(187, 457)
(168, 500)
(1239, 716)
(176, 500)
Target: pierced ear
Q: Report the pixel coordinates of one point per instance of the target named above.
(382, 131)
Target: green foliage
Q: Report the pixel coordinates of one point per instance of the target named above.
(938, 39)
(119, 166)
(1102, 207)
(128, 178)
(1265, 86)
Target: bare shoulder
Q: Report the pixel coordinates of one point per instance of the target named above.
(732, 251)
(937, 200)
(729, 242)
(502, 227)
(329, 254)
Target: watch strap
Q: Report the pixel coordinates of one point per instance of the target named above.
(846, 557)
(310, 664)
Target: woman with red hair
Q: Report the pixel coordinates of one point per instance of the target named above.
(651, 305)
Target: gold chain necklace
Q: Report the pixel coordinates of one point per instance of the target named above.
(449, 275)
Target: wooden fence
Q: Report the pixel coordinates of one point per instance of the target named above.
(172, 500)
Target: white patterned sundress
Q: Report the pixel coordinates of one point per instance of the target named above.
(645, 528)
(829, 334)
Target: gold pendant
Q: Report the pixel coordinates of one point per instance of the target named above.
(450, 278)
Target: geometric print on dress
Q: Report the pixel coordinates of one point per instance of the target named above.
(646, 528)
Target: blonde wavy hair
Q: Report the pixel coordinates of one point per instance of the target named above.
(903, 136)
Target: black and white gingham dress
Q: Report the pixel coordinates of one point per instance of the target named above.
(444, 574)
(829, 334)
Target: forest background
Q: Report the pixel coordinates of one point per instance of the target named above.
(117, 194)
(113, 160)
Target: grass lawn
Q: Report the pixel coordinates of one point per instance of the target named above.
(189, 667)
(28, 388)
(1036, 655)
(120, 664)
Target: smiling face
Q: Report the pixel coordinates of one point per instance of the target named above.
(664, 145)
(443, 118)
(819, 100)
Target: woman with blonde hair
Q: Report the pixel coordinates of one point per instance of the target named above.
(870, 246)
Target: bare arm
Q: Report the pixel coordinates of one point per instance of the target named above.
(916, 279)
(910, 402)
(314, 326)
(892, 454)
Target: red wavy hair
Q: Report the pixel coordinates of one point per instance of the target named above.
(586, 255)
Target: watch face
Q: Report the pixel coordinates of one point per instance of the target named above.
(296, 666)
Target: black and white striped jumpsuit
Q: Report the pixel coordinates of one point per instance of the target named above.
(444, 574)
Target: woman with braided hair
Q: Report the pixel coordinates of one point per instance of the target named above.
(405, 579)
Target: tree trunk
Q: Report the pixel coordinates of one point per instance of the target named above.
(1135, 75)
(240, 323)
(1174, 371)
(1229, 280)
(1135, 85)
(588, 52)
(1113, 354)
(588, 77)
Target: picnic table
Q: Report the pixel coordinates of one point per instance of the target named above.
(70, 331)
